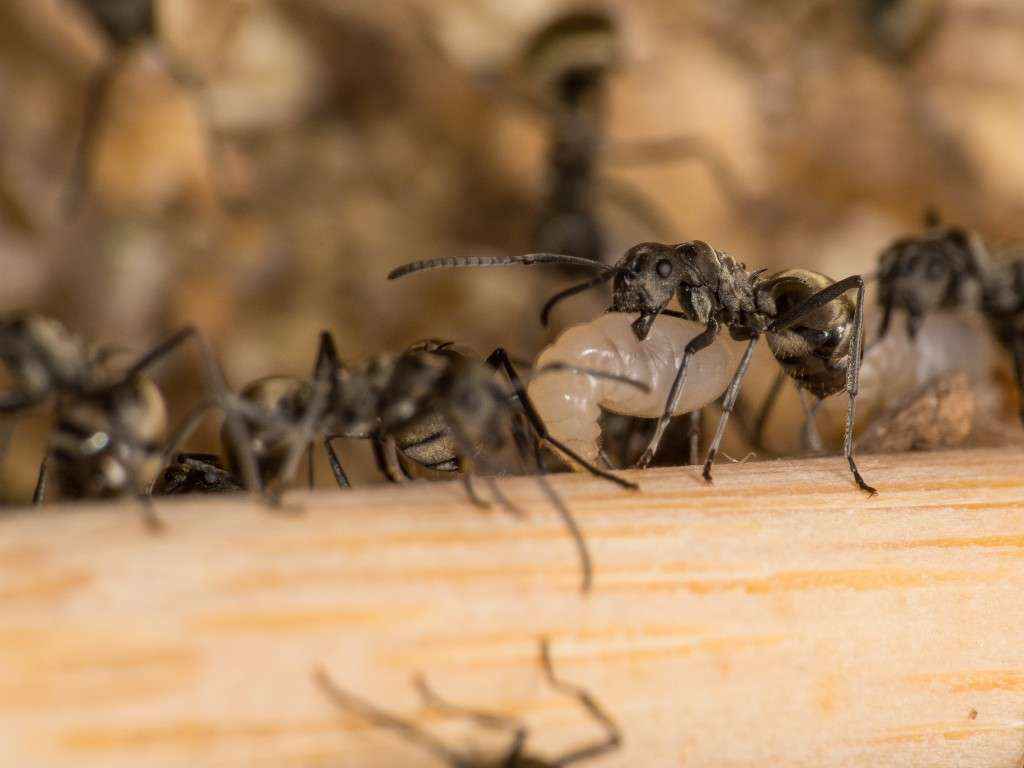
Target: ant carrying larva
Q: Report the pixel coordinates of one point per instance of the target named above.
(111, 420)
(949, 268)
(812, 328)
(433, 405)
(515, 755)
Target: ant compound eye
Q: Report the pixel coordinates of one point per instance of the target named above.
(663, 268)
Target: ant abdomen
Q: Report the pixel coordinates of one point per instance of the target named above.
(92, 459)
(814, 352)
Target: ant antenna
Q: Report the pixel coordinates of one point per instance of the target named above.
(545, 313)
(497, 261)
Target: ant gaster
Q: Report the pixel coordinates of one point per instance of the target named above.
(812, 327)
(110, 420)
(515, 755)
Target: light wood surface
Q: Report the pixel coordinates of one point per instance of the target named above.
(778, 618)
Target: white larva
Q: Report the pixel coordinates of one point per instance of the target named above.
(570, 404)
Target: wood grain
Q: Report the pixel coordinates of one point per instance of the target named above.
(777, 618)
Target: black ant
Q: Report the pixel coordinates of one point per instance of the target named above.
(949, 268)
(127, 25)
(515, 755)
(110, 420)
(570, 62)
(433, 405)
(812, 327)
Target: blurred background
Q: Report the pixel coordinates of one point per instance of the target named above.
(256, 167)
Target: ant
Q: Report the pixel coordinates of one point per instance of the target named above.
(127, 26)
(110, 421)
(433, 404)
(812, 328)
(949, 268)
(570, 63)
(516, 754)
(941, 269)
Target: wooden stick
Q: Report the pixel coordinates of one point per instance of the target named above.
(778, 618)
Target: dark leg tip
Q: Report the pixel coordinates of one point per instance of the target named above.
(645, 459)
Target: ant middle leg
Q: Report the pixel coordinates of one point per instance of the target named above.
(728, 403)
(695, 345)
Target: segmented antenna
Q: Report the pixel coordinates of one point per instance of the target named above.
(496, 261)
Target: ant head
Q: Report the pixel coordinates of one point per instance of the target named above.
(649, 275)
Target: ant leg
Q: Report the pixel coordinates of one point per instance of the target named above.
(95, 98)
(346, 701)
(310, 468)
(40, 491)
(327, 360)
(820, 299)
(474, 497)
(150, 519)
(465, 446)
(810, 437)
(853, 385)
(695, 430)
(612, 740)
(479, 717)
(586, 564)
(500, 358)
(728, 402)
(583, 552)
(339, 473)
(757, 439)
(385, 454)
(1018, 369)
(697, 343)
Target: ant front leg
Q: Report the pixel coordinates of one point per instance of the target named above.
(695, 345)
(499, 359)
(40, 491)
(728, 403)
(339, 473)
